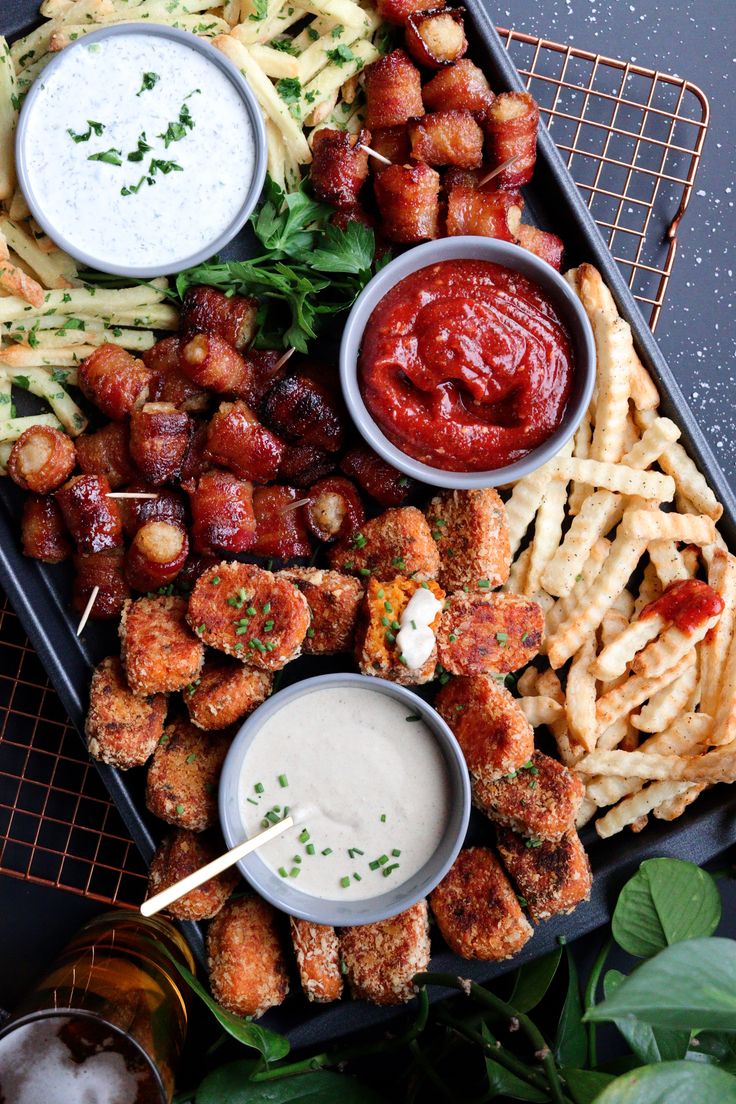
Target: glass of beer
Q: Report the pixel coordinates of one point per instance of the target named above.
(107, 1024)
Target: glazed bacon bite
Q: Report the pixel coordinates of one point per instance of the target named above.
(105, 571)
(339, 166)
(159, 652)
(376, 476)
(156, 556)
(249, 613)
(481, 213)
(543, 244)
(334, 510)
(447, 138)
(116, 382)
(511, 127)
(399, 11)
(211, 363)
(169, 383)
(41, 459)
(280, 530)
(107, 453)
(222, 513)
(266, 366)
(168, 506)
(42, 530)
(159, 440)
(409, 203)
(303, 465)
(91, 517)
(393, 91)
(232, 318)
(436, 37)
(196, 461)
(237, 440)
(307, 409)
(459, 87)
(392, 143)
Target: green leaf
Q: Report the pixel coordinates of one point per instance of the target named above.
(584, 1085)
(348, 250)
(533, 980)
(647, 1043)
(672, 1083)
(714, 1047)
(691, 985)
(571, 1044)
(502, 1082)
(666, 901)
(230, 1085)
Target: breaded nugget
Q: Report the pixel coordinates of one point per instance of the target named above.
(492, 731)
(317, 954)
(225, 692)
(398, 541)
(476, 908)
(472, 536)
(333, 600)
(249, 613)
(245, 959)
(181, 787)
(376, 649)
(159, 652)
(488, 632)
(121, 729)
(539, 799)
(553, 878)
(181, 853)
(381, 959)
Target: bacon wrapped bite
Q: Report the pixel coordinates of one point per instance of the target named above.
(339, 166)
(548, 247)
(398, 11)
(42, 530)
(376, 476)
(91, 517)
(306, 408)
(159, 440)
(393, 91)
(232, 318)
(392, 143)
(107, 453)
(156, 556)
(116, 382)
(436, 37)
(303, 465)
(237, 440)
(168, 505)
(222, 513)
(41, 459)
(459, 87)
(169, 384)
(211, 363)
(105, 571)
(482, 213)
(280, 529)
(409, 203)
(334, 509)
(447, 138)
(511, 124)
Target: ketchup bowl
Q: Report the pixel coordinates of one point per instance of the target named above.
(451, 394)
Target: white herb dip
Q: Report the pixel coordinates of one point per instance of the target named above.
(177, 142)
(372, 778)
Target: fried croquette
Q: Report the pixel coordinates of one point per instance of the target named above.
(333, 600)
(121, 728)
(396, 542)
(476, 908)
(252, 614)
(381, 959)
(317, 952)
(181, 786)
(553, 878)
(488, 632)
(159, 652)
(472, 536)
(225, 692)
(245, 958)
(181, 853)
(493, 733)
(540, 799)
(376, 647)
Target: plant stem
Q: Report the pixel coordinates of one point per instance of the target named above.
(496, 1051)
(589, 998)
(344, 1054)
(490, 1000)
(428, 1071)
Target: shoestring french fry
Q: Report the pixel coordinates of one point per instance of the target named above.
(12, 428)
(44, 386)
(8, 120)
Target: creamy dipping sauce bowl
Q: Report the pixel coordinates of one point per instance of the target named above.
(141, 150)
(433, 764)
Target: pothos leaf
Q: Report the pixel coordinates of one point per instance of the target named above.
(649, 1044)
(230, 1085)
(584, 1085)
(533, 979)
(666, 901)
(571, 1044)
(672, 1083)
(502, 1082)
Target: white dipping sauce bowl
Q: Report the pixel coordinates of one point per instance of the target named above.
(283, 893)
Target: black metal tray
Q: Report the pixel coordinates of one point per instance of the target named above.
(39, 595)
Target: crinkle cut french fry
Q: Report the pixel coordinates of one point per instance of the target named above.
(563, 607)
(617, 654)
(690, 482)
(669, 648)
(724, 721)
(580, 696)
(549, 685)
(674, 807)
(540, 710)
(718, 765)
(650, 588)
(547, 532)
(581, 449)
(517, 575)
(637, 805)
(664, 707)
(649, 525)
(668, 561)
(631, 764)
(8, 120)
(619, 477)
(624, 604)
(614, 348)
(620, 701)
(713, 651)
(525, 501)
(526, 683)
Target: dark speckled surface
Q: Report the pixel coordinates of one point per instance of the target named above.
(696, 40)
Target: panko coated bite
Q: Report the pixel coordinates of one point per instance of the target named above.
(396, 542)
(333, 600)
(159, 652)
(493, 733)
(181, 786)
(252, 614)
(225, 692)
(553, 878)
(488, 632)
(245, 958)
(317, 953)
(180, 854)
(540, 799)
(472, 536)
(121, 728)
(477, 910)
(381, 959)
(376, 647)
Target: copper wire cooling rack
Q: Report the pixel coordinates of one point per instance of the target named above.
(632, 138)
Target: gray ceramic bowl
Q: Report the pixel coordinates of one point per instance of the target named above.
(480, 249)
(284, 895)
(57, 234)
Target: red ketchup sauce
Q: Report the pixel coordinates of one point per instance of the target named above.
(686, 603)
(466, 366)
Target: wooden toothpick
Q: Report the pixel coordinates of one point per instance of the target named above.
(88, 610)
(499, 169)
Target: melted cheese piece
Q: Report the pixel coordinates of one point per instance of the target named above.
(415, 639)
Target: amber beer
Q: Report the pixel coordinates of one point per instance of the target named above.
(107, 1023)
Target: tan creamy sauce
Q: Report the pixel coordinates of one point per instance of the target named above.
(370, 780)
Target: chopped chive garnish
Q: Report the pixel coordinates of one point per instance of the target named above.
(294, 871)
(382, 860)
(327, 851)
(413, 623)
(201, 628)
(484, 583)
(251, 611)
(345, 882)
(266, 607)
(357, 877)
(304, 836)
(380, 593)
(425, 585)
(364, 571)
(396, 852)
(215, 581)
(309, 849)
(374, 865)
(395, 625)
(385, 622)
(390, 638)
(265, 823)
(283, 872)
(502, 637)
(359, 540)
(310, 633)
(180, 809)
(388, 607)
(258, 787)
(273, 817)
(524, 635)
(297, 859)
(358, 851)
(390, 869)
(413, 717)
(452, 637)
(252, 801)
(191, 757)
(383, 818)
(283, 781)
(268, 626)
